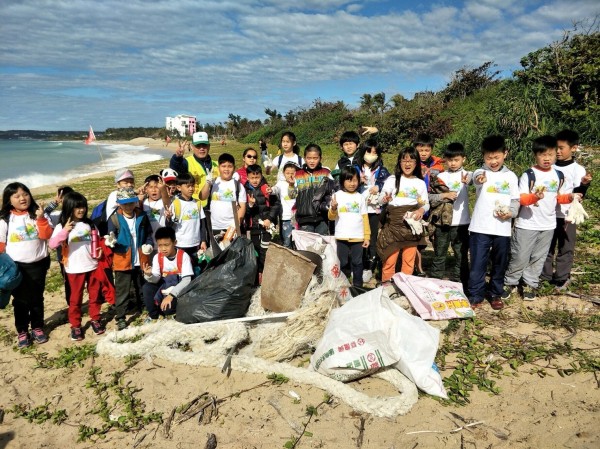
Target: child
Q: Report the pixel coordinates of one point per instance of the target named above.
(153, 203)
(372, 176)
(124, 180)
(288, 205)
(349, 144)
(24, 230)
(312, 191)
(497, 201)
(169, 181)
(131, 249)
(290, 154)
(405, 194)
(186, 215)
(352, 231)
(73, 235)
(540, 188)
(456, 232)
(171, 269)
(577, 180)
(262, 206)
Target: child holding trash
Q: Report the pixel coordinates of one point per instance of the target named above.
(497, 201)
(130, 237)
(261, 214)
(80, 254)
(401, 230)
(186, 215)
(541, 189)
(453, 232)
(352, 232)
(171, 271)
(288, 204)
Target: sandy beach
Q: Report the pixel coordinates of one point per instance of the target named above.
(536, 406)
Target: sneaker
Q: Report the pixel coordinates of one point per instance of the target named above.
(76, 334)
(496, 303)
(149, 320)
(509, 290)
(562, 285)
(23, 340)
(39, 336)
(367, 275)
(476, 305)
(121, 324)
(529, 293)
(98, 327)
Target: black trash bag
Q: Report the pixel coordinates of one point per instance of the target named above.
(224, 289)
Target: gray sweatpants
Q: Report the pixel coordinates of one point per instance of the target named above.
(528, 252)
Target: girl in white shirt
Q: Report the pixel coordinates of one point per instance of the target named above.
(352, 232)
(74, 234)
(405, 194)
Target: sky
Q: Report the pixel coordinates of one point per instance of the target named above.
(65, 65)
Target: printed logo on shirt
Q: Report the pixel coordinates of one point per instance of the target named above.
(80, 236)
(455, 186)
(226, 195)
(547, 186)
(353, 207)
(153, 214)
(501, 187)
(410, 193)
(190, 214)
(24, 233)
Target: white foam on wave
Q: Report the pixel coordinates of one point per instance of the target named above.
(115, 156)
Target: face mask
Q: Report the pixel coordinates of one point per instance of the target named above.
(370, 158)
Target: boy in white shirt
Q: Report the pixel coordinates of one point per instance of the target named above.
(153, 202)
(497, 193)
(577, 180)
(223, 192)
(171, 269)
(281, 189)
(186, 215)
(455, 233)
(541, 189)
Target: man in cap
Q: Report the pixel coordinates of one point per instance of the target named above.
(199, 164)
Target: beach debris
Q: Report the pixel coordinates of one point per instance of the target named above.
(211, 442)
(361, 431)
(168, 422)
(501, 209)
(294, 425)
(294, 395)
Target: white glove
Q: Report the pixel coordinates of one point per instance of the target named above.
(501, 209)
(209, 177)
(110, 240)
(416, 226)
(147, 249)
(268, 162)
(576, 214)
(270, 229)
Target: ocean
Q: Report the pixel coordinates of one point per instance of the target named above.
(36, 163)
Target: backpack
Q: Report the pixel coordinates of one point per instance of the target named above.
(179, 260)
(531, 178)
(100, 219)
(281, 159)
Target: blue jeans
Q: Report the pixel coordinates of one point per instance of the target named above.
(321, 228)
(286, 233)
(483, 248)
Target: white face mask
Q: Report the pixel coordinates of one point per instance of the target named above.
(370, 158)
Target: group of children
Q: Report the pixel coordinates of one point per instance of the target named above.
(155, 238)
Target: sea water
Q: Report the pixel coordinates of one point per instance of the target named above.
(36, 163)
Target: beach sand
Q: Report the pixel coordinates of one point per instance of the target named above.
(532, 410)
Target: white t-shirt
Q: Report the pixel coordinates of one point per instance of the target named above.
(370, 180)
(155, 210)
(540, 216)
(222, 195)
(170, 266)
(131, 226)
(79, 259)
(460, 207)
(22, 239)
(111, 203)
(501, 186)
(573, 174)
(281, 189)
(413, 191)
(280, 161)
(187, 226)
(349, 221)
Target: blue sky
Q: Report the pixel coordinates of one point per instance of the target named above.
(65, 65)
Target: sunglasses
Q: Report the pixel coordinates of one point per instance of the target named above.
(251, 157)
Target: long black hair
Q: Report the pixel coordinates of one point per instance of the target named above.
(72, 201)
(366, 146)
(411, 153)
(9, 191)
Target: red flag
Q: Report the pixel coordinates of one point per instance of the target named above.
(91, 137)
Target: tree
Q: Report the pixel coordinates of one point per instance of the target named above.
(465, 81)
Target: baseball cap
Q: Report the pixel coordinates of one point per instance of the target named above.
(200, 137)
(126, 195)
(168, 174)
(123, 173)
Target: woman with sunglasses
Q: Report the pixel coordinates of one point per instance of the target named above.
(250, 156)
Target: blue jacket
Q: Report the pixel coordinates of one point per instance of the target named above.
(123, 252)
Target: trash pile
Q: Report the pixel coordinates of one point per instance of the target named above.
(304, 306)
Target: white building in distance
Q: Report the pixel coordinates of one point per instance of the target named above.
(185, 125)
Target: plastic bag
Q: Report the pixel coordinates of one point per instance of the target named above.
(434, 299)
(371, 332)
(10, 278)
(224, 289)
